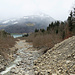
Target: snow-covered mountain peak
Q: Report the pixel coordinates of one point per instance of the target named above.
(5, 21)
(25, 17)
(42, 15)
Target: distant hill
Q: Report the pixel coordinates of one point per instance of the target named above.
(26, 24)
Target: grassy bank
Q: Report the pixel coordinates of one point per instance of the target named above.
(6, 42)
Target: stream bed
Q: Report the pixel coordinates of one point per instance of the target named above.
(23, 64)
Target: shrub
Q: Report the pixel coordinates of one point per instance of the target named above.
(6, 42)
(44, 40)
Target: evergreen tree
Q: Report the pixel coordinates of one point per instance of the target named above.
(42, 30)
(73, 22)
(36, 30)
(63, 35)
(57, 31)
(70, 19)
(57, 23)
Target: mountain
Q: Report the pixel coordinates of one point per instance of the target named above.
(26, 24)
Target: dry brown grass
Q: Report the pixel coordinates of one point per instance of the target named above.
(44, 40)
(5, 44)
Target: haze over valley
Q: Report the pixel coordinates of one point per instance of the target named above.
(26, 24)
(18, 16)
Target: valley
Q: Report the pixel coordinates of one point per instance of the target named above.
(37, 45)
(26, 24)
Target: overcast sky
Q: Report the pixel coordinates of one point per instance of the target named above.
(58, 9)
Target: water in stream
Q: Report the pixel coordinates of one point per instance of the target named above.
(16, 35)
(13, 64)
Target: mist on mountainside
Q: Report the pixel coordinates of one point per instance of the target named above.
(26, 24)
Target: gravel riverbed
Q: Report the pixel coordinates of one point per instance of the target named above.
(24, 58)
(59, 60)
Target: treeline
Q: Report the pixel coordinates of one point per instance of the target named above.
(64, 29)
(55, 32)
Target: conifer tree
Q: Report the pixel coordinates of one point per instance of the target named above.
(70, 19)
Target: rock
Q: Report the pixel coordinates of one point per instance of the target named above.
(14, 70)
(35, 68)
(54, 74)
(29, 68)
(60, 59)
(74, 57)
(2, 67)
(68, 61)
(36, 72)
(18, 64)
(26, 74)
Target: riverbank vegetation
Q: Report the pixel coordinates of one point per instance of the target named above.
(55, 32)
(6, 42)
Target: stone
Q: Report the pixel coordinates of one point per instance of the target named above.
(17, 64)
(74, 57)
(2, 67)
(68, 61)
(14, 70)
(36, 72)
(26, 74)
(59, 59)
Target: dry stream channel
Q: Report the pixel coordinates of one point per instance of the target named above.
(23, 63)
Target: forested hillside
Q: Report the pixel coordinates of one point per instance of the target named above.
(56, 32)
(26, 24)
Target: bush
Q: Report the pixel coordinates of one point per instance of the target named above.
(6, 42)
(44, 40)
